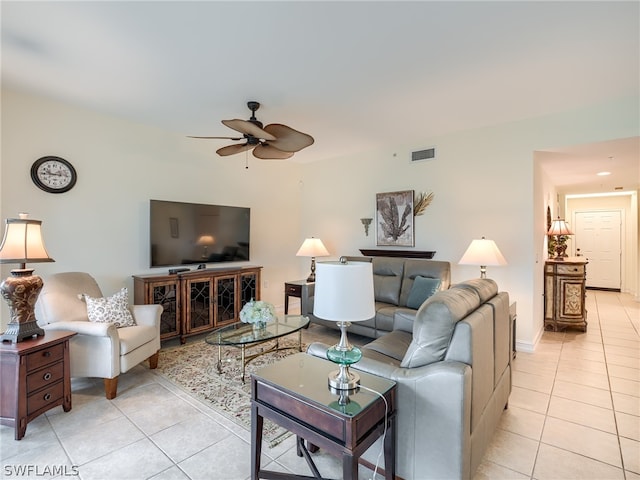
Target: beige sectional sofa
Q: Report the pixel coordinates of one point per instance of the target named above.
(453, 369)
(399, 284)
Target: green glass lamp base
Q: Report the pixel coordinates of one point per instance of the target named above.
(344, 354)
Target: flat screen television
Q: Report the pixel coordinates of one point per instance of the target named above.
(193, 233)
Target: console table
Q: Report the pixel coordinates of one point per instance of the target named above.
(197, 301)
(35, 377)
(294, 394)
(564, 294)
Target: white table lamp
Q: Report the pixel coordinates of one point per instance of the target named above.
(483, 252)
(312, 247)
(344, 294)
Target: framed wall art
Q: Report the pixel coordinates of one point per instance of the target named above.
(394, 219)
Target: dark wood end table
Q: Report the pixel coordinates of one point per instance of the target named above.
(35, 377)
(299, 289)
(294, 393)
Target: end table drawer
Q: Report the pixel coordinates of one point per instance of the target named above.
(44, 357)
(291, 289)
(571, 269)
(46, 376)
(41, 399)
(304, 412)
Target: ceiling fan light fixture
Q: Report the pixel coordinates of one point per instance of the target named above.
(273, 142)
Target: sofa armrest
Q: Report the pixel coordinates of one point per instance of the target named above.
(434, 414)
(85, 328)
(147, 314)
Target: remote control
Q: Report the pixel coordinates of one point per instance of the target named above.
(173, 271)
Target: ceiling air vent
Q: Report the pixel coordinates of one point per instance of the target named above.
(426, 154)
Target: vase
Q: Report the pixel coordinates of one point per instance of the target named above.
(259, 326)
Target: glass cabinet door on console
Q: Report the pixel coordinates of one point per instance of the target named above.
(249, 287)
(198, 309)
(225, 311)
(198, 300)
(163, 292)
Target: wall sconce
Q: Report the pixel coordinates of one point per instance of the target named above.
(366, 222)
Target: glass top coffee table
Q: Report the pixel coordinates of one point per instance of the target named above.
(243, 335)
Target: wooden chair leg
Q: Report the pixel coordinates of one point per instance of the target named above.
(111, 387)
(153, 360)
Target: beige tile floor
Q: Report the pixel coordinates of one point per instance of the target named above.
(574, 413)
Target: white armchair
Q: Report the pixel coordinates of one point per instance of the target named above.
(99, 349)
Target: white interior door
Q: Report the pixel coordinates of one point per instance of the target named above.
(597, 237)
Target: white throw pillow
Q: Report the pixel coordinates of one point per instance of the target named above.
(113, 309)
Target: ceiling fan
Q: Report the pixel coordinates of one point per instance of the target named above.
(273, 142)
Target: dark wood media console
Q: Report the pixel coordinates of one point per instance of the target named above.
(397, 253)
(198, 301)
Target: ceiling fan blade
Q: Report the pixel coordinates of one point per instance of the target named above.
(233, 149)
(266, 151)
(221, 138)
(287, 138)
(248, 128)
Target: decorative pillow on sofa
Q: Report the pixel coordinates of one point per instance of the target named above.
(422, 288)
(434, 324)
(113, 309)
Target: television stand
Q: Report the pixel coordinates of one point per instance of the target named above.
(197, 301)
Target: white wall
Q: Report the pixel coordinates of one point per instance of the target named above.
(483, 181)
(101, 225)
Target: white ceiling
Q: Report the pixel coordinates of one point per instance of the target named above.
(358, 76)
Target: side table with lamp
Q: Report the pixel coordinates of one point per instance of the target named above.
(34, 367)
(339, 411)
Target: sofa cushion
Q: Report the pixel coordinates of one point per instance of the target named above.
(393, 344)
(387, 279)
(414, 267)
(434, 324)
(403, 319)
(113, 309)
(423, 288)
(135, 336)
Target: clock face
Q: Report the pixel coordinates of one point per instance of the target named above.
(53, 174)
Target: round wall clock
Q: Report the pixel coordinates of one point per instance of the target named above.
(53, 174)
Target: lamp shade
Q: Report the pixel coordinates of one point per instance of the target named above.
(344, 291)
(205, 240)
(559, 227)
(312, 247)
(482, 252)
(23, 242)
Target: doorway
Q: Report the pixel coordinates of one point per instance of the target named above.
(598, 237)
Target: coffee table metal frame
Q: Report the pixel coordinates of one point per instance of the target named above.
(242, 335)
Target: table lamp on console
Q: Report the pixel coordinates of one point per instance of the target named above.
(22, 243)
(344, 294)
(559, 229)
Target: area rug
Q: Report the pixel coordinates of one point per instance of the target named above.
(192, 367)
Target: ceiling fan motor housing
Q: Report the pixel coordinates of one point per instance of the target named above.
(253, 106)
